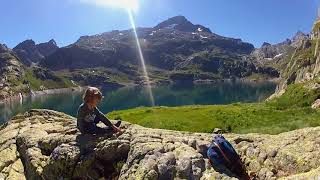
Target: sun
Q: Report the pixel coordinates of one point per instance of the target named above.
(130, 5)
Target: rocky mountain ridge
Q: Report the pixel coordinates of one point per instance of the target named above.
(302, 65)
(44, 144)
(175, 46)
(18, 80)
(175, 50)
(276, 53)
(11, 69)
(29, 52)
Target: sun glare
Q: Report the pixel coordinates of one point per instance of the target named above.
(131, 5)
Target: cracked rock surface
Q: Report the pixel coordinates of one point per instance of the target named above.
(45, 144)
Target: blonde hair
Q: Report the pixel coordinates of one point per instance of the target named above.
(91, 93)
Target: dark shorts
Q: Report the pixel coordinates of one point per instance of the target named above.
(92, 129)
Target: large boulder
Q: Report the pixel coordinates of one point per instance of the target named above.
(316, 104)
(45, 144)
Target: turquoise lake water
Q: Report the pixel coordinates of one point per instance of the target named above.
(130, 97)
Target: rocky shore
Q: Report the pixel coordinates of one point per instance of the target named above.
(43, 92)
(45, 144)
(57, 91)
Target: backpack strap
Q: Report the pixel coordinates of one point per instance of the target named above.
(223, 154)
(229, 161)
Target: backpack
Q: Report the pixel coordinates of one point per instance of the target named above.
(221, 153)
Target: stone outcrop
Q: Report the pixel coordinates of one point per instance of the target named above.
(11, 70)
(17, 80)
(44, 144)
(316, 104)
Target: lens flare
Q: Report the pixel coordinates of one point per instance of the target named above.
(144, 68)
(132, 5)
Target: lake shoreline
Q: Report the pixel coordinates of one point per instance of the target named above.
(58, 91)
(21, 96)
(157, 84)
(67, 100)
(245, 80)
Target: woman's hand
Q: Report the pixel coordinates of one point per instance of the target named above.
(117, 130)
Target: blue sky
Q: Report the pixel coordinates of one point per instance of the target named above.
(254, 21)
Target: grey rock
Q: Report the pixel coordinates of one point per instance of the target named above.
(44, 144)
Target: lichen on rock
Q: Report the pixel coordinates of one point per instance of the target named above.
(45, 144)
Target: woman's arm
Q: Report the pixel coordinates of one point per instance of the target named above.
(102, 117)
(105, 120)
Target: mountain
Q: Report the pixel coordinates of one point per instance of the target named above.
(268, 52)
(298, 38)
(182, 24)
(277, 56)
(11, 70)
(273, 53)
(174, 48)
(16, 77)
(301, 69)
(29, 52)
(47, 48)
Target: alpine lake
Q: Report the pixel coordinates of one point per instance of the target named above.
(131, 97)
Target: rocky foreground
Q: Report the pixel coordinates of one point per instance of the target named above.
(44, 144)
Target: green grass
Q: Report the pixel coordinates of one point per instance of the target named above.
(296, 96)
(301, 58)
(21, 84)
(113, 75)
(237, 118)
(290, 111)
(36, 83)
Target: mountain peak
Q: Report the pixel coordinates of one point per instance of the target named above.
(47, 48)
(177, 20)
(265, 44)
(300, 33)
(299, 36)
(298, 39)
(286, 42)
(25, 44)
(181, 23)
(52, 41)
(29, 52)
(3, 48)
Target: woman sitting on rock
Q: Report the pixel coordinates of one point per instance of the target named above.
(89, 115)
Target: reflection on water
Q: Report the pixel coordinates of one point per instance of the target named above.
(130, 97)
(59, 102)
